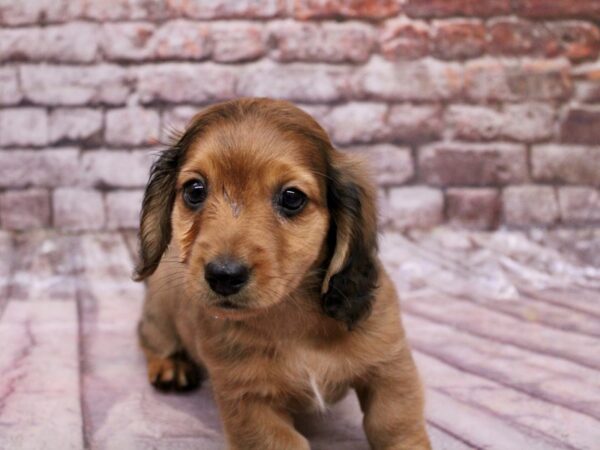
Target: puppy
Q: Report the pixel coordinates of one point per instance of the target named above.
(259, 242)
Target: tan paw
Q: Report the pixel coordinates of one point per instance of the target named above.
(175, 373)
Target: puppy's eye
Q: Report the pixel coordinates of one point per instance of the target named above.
(291, 201)
(194, 193)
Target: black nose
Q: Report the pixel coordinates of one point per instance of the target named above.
(226, 277)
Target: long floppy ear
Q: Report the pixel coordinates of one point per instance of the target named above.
(155, 218)
(351, 277)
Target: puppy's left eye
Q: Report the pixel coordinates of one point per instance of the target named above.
(291, 201)
(194, 193)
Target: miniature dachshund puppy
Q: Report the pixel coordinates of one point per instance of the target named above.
(259, 243)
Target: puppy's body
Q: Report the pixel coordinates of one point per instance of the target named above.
(317, 315)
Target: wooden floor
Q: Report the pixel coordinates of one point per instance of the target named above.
(505, 329)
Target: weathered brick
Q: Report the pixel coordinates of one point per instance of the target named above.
(39, 11)
(371, 9)
(516, 37)
(402, 81)
(175, 121)
(452, 164)
(132, 126)
(45, 168)
(78, 209)
(196, 83)
(356, 122)
(530, 205)
(474, 209)
(116, 168)
(528, 122)
(448, 8)
(458, 39)
(181, 39)
(72, 42)
(321, 42)
(130, 41)
(23, 126)
(234, 42)
(415, 207)
(488, 79)
(81, 125)
(587, 82)
(390, 165)
(108, 10)
(24, 210)
(227, 9)
(581, 125)
(297, 82)
(579, 205)
(404, 39)
(414, 123)
(64, 85)
(555, 9)
(10, 91)
(123, 209)
(566, 164)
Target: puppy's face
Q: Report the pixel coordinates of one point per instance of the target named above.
(258, 202)
(250, 215)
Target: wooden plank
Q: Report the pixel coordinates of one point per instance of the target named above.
(527, 413)
(442, 440)
(555, 380)
(45, 266)
(39, 377)
(483, 322)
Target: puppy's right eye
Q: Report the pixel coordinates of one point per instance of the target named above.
(194, 193)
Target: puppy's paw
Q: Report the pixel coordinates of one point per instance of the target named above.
(175, 373)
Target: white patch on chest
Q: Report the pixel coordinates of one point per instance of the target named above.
(318, 397)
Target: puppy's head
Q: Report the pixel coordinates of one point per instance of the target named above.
(259, 203)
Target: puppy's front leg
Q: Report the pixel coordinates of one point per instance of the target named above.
(391, 398)
(256, 424)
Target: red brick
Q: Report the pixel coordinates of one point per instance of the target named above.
(129, 41)
(132, 126)
(123, 209)
(75, 85)
(321, 42)
(227, 9)
(181, 39)
(78, 209)
(40, 168)
(73, 42)
(528, 122)
(403, 39)
(414, 123)
(10, 91)
(581, 125)
(518, 80)
(530, 205)
(118, 168)
(458, 39)
(296, 82)
(356, 122)
(235, 42)
(24, 210)
(587, 82)
(23, 126)
(415, 207)
(579, 205)
(82, 125)
(390, 165)
(516, 37)
(566, 164)
(559, 9)
(455, 164)
(363, 9)
(179, 82)
(474, 209)
(448, 8)
(406, 81)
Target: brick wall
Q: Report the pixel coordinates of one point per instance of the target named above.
(477, 112)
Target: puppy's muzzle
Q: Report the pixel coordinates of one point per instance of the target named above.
(226, 276)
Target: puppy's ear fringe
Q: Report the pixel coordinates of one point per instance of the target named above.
(155, 217)
(351, 277)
